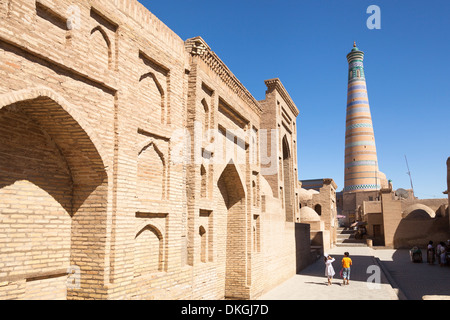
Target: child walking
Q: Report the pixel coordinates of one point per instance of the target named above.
(346, 264)
(329, 270)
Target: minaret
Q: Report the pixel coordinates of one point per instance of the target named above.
(361, 164)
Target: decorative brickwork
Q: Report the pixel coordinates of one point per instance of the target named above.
(135, 165)
(361, 172)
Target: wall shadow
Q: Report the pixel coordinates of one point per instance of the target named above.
(418, 228)
(303, 255)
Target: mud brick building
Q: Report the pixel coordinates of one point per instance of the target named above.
(134, 164)
(320, 196)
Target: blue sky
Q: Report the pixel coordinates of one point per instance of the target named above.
(305, 43)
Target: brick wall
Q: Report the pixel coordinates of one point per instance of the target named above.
(97, 198)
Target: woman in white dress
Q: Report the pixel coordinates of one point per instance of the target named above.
(329, 270)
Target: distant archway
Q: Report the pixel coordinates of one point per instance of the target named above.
(418, 211)
(419, 225)
(318, 209)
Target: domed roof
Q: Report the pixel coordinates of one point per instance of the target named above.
(308, 214)
(303, 194)
(306, 194)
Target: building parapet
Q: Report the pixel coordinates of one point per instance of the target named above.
(198, 47)
(276, 83)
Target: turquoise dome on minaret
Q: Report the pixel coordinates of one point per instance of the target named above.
(355, 59)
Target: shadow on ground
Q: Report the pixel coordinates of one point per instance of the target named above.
(416, 280)
(363, 269)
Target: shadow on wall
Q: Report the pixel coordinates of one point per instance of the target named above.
(418, 227)
(307, 250)
(56, 156)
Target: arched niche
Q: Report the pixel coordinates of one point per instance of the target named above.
(54, 185)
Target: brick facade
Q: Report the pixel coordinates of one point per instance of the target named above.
(397, 222)
(132, 162)
(323, 202)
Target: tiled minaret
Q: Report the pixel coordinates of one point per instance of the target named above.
(361, 164)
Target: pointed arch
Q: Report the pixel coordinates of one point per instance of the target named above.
(153, 144)
(230, 178)
(220, 169)
(254, 193)
(233, 193)
(149, 250)
(205, 106)
(286, 148)
(56, 101)
(205, 116)
(152, 173)
(203, 182)
(153, 99)
(203, 244)
(65, 177)
(288, 180)
(106, 40)
(152, 76)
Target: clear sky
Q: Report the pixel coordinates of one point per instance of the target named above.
(305, 43)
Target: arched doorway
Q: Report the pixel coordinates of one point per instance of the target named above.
(53, 189)
(233, 195)
(318, 209)
(288, 182)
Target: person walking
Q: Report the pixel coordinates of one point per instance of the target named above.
(438, 252)
(430, 253)
(346, 265)
(442, 255)
(329, 270)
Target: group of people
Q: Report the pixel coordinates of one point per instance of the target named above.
(345, 271)
(439, 253)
